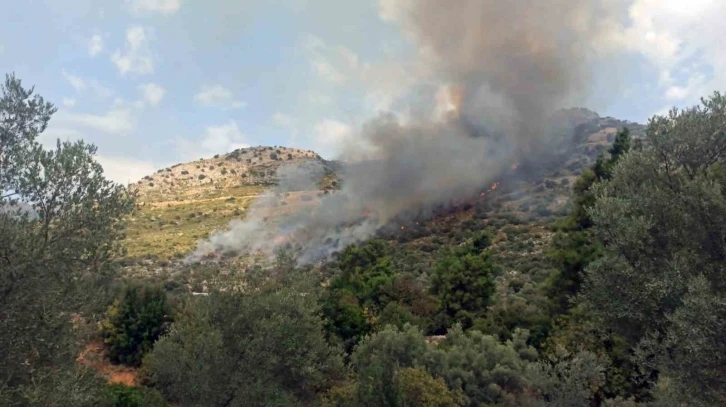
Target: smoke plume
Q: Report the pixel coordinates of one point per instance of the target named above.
(509, 65)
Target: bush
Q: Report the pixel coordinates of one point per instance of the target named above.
(262, 348)
(463, 284)
(201, 177)
(119, 395)
(134, 322)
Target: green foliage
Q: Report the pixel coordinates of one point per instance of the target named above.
(487, 371)
(366, 270)
(567, 380)
(399, 315)
(623, 376)
(262, 347)
(134, 323)
(463, 283)
(477, 368)
(119, 395)
(574, 247)
(660, 281)
(368, 293)
(344, 317)
(584, 196)
(416, 387)
(571, 251)
(517, 303)
(60, 224)
(379, 357)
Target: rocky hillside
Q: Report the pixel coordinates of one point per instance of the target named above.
(254, 166)
(183, 204)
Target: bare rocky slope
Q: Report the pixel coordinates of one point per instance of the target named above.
(254, 166)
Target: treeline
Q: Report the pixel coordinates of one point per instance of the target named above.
(632, 311)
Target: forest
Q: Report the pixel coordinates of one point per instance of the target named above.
(630, 311)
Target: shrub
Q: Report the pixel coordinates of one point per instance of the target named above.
(201, 177)
(463, 283)
(119, 395)
(262, 348)
(134, 322)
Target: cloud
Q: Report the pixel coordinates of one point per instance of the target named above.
(323, 62)
(218, 96)
(125, 170)
(288, 123)
(154, 6)
(283, 120)
(224, 138)
(682, 41)
(95, 45)
(392, 10)
(80, 85)
(329, 135)
(217, 140)
(118, 169)
(153, 93)
(118, 120)
(381, 82)
(76, 82)
(136, 56)
(69, 102)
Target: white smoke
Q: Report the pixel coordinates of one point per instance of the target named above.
(512, 63)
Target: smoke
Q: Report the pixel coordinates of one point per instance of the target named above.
(510, 64)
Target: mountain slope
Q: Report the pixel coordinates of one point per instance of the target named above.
(183, 204)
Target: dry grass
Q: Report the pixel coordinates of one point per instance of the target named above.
(170, 229)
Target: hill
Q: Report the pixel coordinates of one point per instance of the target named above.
(183, 204)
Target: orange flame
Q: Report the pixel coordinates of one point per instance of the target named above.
(492, 188)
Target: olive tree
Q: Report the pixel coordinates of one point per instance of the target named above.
(263, 346)
(660, 282)
(60, 223)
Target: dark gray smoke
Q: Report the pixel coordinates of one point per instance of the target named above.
(512, 63)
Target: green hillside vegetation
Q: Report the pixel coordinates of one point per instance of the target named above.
(598, 281)
(169, 230)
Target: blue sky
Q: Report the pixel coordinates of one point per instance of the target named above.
(156, 82)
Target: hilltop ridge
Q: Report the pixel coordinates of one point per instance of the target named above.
(252, 166)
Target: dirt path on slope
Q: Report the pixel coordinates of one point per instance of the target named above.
(190, 201)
